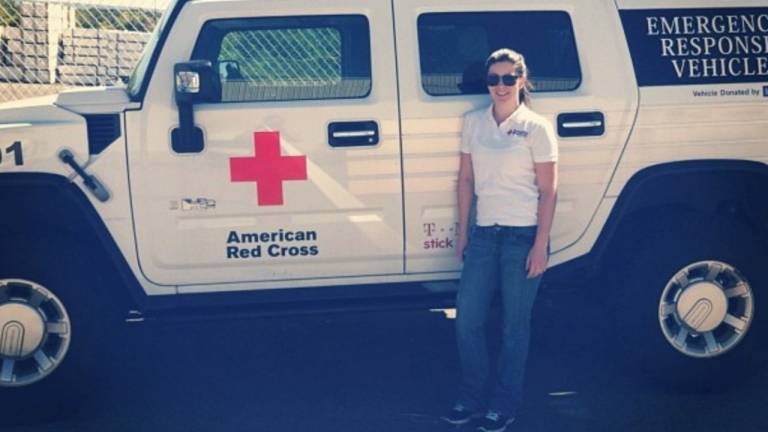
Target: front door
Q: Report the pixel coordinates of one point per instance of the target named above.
(298, 181)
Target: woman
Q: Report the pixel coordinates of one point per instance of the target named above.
(509, 161)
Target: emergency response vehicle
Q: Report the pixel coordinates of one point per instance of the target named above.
(281, 155)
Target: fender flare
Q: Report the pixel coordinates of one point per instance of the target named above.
(732, 188)
(49, 204)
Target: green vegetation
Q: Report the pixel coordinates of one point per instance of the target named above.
(9, 13)
(140, 20)
(306, 54)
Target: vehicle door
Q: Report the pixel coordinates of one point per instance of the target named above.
(297, 180)
(582, 84)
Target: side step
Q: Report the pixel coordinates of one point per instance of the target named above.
(425, 302)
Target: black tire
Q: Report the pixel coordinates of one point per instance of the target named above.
(59, 266)
(650, 257)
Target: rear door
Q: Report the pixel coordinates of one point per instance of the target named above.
(583, 84)
(298, 181)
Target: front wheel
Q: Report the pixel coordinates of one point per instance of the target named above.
(35, 332)
(690, 298)
(55, 330)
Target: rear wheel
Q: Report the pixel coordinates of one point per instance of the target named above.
(706, 309)
(690, 295)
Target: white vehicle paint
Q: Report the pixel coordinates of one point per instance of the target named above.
(258, 152)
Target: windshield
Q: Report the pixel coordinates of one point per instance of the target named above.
(137, 77)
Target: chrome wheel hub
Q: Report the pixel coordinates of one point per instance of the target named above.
(706, 309)
(702, 306)
(34, 332)
(22, 330)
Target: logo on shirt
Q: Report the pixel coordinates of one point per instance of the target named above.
(517, 132)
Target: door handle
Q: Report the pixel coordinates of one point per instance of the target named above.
(580, 124)
(353, 134)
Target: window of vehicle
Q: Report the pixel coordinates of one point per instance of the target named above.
(289, 58)
(453, 48)
(138, 80)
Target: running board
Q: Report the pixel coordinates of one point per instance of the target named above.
(424, 302)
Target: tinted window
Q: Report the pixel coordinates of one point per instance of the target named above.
(453, 48)
(281, 59)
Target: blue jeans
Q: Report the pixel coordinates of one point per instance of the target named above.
(495, 260)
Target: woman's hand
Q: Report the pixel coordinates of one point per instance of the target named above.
(461, 244)
(465, 187)
(537, 260)
(546, 179)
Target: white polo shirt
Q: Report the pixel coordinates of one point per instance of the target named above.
(502, 159)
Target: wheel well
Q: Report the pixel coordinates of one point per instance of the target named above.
(728, 189)
(40, 207)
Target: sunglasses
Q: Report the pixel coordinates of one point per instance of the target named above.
(493, 80)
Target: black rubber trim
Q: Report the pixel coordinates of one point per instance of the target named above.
(637, 195)
(292, 301)
(46, 203)
(684, 185)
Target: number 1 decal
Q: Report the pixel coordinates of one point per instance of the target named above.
(18, 156)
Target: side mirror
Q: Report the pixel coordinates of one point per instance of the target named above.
(196, 82)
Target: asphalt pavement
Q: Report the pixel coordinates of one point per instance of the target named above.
(384, 371)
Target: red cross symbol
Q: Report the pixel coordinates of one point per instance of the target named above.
(267, 168)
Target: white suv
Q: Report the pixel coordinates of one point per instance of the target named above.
(303, 155)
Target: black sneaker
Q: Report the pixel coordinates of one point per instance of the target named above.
(495, 422)
(458, 415)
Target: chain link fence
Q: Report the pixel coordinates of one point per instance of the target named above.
(46, 46)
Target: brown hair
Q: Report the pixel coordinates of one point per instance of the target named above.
(518, 61)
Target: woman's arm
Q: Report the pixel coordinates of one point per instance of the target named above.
(466, 187)
(546, 179)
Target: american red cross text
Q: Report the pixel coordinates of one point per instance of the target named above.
(268, 168)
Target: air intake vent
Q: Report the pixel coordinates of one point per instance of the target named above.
(103, 129)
